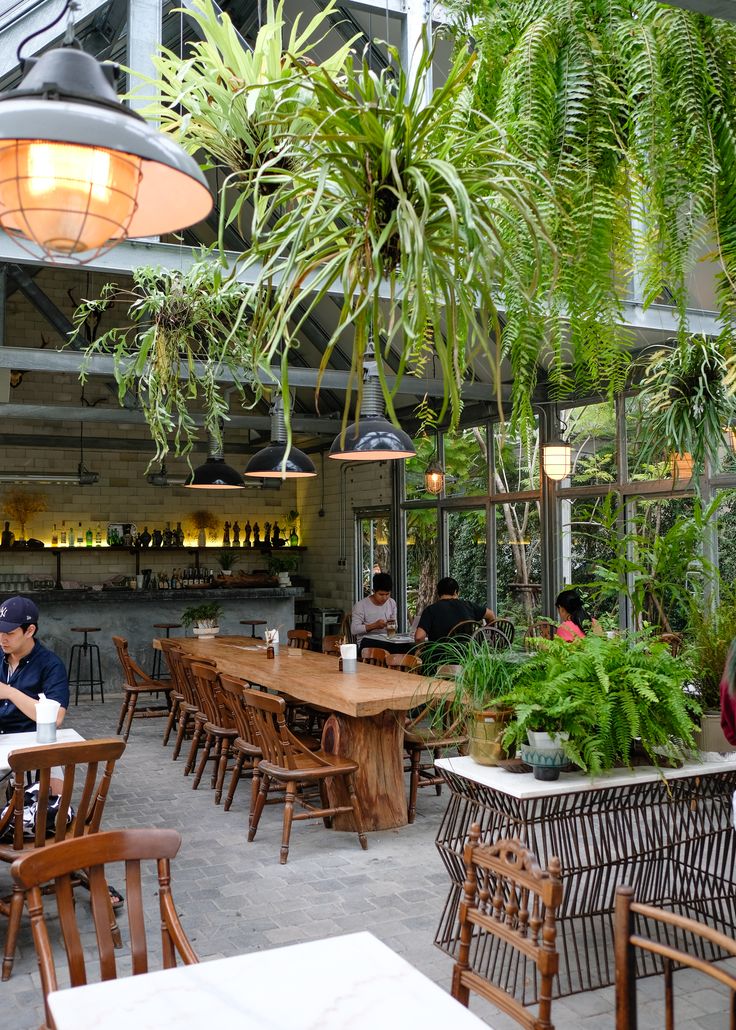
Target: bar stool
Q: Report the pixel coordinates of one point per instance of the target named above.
(157, 667)
(91, 653)
(253, 623)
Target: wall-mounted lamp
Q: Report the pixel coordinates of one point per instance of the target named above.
(374, 438)
(79, 171)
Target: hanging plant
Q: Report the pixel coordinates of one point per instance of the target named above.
(184, 329)
(687, 401)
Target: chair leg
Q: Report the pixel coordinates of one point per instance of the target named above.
(221, 770)
(132, 702)
(326, 819)
(196, 737)
(415, 756)
(235, 779)
(216, 762)
(11, 938)
(184, 718)
(123, 710)
(357, 814)
(202, 761)
(173, 712)
(437, 786)
(254, 789)
(258, 808)
(288, 819)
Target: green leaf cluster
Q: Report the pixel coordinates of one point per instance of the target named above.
(209, 611)
(606, 694)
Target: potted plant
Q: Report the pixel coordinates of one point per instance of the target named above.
(21, 505)
(204, 522)
(227, 561)
(711, 629)
(601, 697)
(203, 618)
(483, 676)
(282, 567)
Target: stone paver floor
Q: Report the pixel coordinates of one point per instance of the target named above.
(234, 897)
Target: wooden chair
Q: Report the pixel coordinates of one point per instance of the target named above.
(669, 927)
(404, 662)
(465, 628)
(135, 683)
(493, 636)
(246, 749)
(430, 728)
(674, 641)
(57, 862)
(507, 896)
(374, 656)
(176, 696)
(300, 638)
(199, 714)
(346, 628)
(286, 760)
(503, 626)
(539, 630)
(331, 644)
(218, 728)
(89, 806)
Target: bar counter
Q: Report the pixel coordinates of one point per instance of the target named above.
(132, 613)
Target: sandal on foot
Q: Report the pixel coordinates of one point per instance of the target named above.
(116, 897)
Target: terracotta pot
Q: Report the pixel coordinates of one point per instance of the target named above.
(710, 736)
(485, 733)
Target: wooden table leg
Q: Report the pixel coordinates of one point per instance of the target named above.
(376, 743)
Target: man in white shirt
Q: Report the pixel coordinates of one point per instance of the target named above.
(372, 613)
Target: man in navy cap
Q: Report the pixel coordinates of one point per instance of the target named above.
(27, 668)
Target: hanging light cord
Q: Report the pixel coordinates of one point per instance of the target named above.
(70, 38)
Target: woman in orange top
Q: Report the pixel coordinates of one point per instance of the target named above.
(575, 621)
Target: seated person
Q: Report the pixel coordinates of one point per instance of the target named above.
(575, 621)
(372, 613)
(439, 618)
(27, 668)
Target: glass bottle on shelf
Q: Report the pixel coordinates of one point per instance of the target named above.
(89, 537)
(178, 535)
(98, 536)
(71, 535)
(54, 537)
(63, 533)
(80, 536)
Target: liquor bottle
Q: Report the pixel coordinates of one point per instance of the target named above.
(89, 537)
(71, 536)
(179, 535)
(54, 537)
(63, 534)
(98, 536)
(211, 577)
(80, 536)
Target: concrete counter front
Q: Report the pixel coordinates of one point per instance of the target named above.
(132, 613)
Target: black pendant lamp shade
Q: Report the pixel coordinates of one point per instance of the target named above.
(374, 438)
(79, 171)
(273, 462)
(215, 474)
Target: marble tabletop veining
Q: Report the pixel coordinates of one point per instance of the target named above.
(353, 982)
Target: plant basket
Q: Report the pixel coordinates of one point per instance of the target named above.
(485, 734)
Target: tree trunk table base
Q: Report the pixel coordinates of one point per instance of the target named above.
(376, 743)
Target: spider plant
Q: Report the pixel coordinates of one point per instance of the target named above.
(184, 328)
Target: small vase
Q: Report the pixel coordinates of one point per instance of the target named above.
(202, 538)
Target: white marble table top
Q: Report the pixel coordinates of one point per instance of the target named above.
(523, 785)
(342, 983)
(12, 741)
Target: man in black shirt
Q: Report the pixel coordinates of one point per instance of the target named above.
(439, 618)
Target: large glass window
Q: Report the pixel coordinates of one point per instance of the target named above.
(422, 559)
(518, 561)
(414, 468)
(468, 553)
(374, 549)
(591, 432)
(588, 539)
(643, 465)
(466, 463)
(516, 460)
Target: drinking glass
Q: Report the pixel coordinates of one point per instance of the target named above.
(390, 627)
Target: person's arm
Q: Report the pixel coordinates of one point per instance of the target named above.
(728, 713)
(422, 631)
(489, 615)
(419, 635)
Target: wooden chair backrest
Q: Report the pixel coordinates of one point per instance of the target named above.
(506, 627)
(99, 756)
(464, 628)
(278, 745)
(669, 928)
(448, 671)
(374, 656)
(59, 862)
(542, 629)
(299, 638)
(346, 628)
(674, 641)
(133, 674)
(189, 686)
(507, 895)
(232, 694)
(205, 678)
(493, 636)
(404, 662)
(331, 644)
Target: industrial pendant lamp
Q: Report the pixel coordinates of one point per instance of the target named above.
(374, 438)
(215, 473)
(79, 171)
(273, 462)
(557, 459)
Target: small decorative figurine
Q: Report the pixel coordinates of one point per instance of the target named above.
(267, 535)
(145, 538)
(226, 535)
(236, 535)
(276, 540)
(6, 541)
(247, 533)
(256, 535)
(158, 538)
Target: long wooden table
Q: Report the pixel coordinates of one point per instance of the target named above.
(368, 721)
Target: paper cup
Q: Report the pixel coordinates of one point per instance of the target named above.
(348, 652)
(350, 664)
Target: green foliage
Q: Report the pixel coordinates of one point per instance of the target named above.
(177, 333)
(210, 612)
(605, 694)
(710, 631)
(688, 396)
(484, 674)
(228, 559)
(630, 110)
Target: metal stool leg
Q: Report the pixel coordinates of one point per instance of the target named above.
(78, 673)
(88, 656)
(100, 681)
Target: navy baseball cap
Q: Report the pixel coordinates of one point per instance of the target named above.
(17, 611)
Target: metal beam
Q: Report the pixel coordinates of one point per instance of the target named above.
(32, 359)
(144, 39)
(25, 18)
